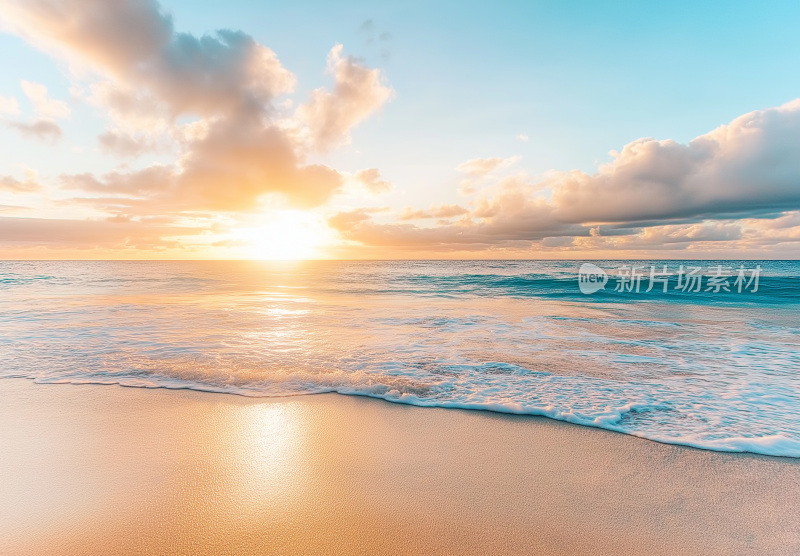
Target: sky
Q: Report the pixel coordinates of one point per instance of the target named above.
(137, 129)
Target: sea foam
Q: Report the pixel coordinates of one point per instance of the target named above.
(512, 337)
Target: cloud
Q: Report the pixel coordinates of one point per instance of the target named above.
(13, 208)
(228, 169)
(346, 221)
(42, 130)
(45, 107)
(482, 166)
(514, 236)
(358, 92)
(738, 185)
(13, 185)
(126, 145)
(131, 111)
(511, 217)
(89, 234)
(215, 101)
(748, 167)
(442, 211)
(9, 105)
(699, 237)
(237, 162)
(237, 150)
(786, 220)
(367, 27)
(134, 43)
(523, 137)
(371, 179)
(707, 231)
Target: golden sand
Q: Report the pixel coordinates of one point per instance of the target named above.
(90, 470)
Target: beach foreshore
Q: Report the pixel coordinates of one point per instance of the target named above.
(92, 469)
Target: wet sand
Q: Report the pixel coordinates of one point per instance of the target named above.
(90, 470)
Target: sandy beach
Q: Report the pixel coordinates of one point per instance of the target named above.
(90, 469)
(400, 278)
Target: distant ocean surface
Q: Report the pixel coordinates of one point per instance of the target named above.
(719, 371)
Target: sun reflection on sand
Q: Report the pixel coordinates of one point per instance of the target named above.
(267, 454)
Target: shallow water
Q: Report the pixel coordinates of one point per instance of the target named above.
(712, 370)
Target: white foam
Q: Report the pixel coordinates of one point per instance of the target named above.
(719, 378)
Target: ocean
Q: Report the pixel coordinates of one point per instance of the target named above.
(698, 366)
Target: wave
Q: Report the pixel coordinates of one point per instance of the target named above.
(610, 418)
(717, 372)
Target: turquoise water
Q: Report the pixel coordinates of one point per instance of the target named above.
(713, 370)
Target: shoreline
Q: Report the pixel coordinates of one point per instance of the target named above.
(88, 469)
(754, 444)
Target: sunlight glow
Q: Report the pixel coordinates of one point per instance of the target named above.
(286, 235)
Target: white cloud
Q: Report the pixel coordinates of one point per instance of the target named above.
(747, 167)
(147, 75)
(13, 185)
(441, 211)
(370, 178)
(45, 107)
(484, 166)
(736, 187)
(358, 92)
(9, 105)
(42, 130)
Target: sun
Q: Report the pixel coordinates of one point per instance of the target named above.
(286, 235)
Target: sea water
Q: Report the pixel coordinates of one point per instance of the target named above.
(712, 369)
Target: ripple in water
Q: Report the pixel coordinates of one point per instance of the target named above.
(711, 371)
